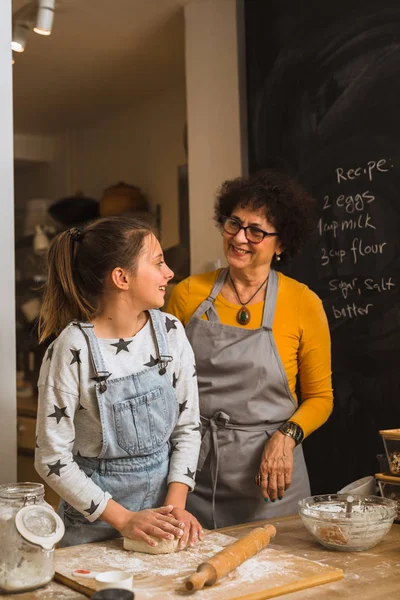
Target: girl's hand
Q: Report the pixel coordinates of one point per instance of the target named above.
(193, 531)
(276, 468)
(158, 522)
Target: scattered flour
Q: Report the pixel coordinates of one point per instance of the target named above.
(164, 575)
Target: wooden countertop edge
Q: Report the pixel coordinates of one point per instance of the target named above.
(253, 524)
(296, 586)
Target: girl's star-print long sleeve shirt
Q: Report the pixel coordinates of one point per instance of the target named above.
(68, 421)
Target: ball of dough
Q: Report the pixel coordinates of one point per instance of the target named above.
(163, 546)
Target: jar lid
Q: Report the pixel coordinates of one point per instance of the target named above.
(39, 525)
(390, 434)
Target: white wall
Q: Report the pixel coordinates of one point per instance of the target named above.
(41, 170)
(34, 148)
(8, 428)
(215, 109)
(142, 145)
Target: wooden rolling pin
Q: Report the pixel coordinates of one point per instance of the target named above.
(230, 557)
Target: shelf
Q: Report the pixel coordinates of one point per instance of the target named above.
(27, 407)
(25, 241)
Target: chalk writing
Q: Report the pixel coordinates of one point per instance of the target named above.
(328, 254)
(360, 285)
(350, 240)
(360, 249)
(352, 203)
(344, 286)
(382, 165)
(361, 222)
(384, 285)
(351, 310)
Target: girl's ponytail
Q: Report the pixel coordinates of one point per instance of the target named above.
(62, 300)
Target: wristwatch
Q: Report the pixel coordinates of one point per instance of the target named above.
(292, 430)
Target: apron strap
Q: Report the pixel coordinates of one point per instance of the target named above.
(163, 357)
(207, 306)
(270, 300)
(95, 355)
(209, 443)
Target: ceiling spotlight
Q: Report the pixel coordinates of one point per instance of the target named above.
(45, 17)
(20, 35)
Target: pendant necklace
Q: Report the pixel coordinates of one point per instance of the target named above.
(243, 316)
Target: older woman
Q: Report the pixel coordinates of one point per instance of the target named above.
(254, 332)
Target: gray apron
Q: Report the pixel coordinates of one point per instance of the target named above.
(244, 398)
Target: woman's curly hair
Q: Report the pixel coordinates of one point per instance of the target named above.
(285, 203)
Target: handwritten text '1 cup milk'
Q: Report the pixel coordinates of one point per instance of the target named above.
(363, 221)
(370, 168)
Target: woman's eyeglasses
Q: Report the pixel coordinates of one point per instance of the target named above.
(253, 234)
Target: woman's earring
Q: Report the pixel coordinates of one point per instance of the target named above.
(277, 256)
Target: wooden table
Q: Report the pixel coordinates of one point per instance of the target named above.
(368, 575)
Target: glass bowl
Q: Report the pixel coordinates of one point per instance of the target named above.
(347, 522)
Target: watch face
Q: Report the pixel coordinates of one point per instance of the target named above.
(292, 430)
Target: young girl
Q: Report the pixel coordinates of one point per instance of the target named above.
(118, 420)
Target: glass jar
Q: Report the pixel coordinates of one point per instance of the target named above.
(29, 528)
(390, 488)
(391, 441)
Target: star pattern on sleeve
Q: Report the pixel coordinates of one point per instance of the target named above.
(50, 353)
(54, 468)
(183, 406)
(59, 413)
(170, 324)
(92, 509)
(75, 356)
(121, 345)
(174, 380)
(190, 473)
(81, 407)
(152, 362)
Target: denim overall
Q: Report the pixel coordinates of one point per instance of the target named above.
(244, 398)
(138, 414)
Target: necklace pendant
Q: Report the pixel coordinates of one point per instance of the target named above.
(243, 316)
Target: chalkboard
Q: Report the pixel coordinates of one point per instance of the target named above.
(323, 95)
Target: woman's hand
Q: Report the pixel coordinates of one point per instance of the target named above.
(158, 522)
(193, 531)
(276, 466)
